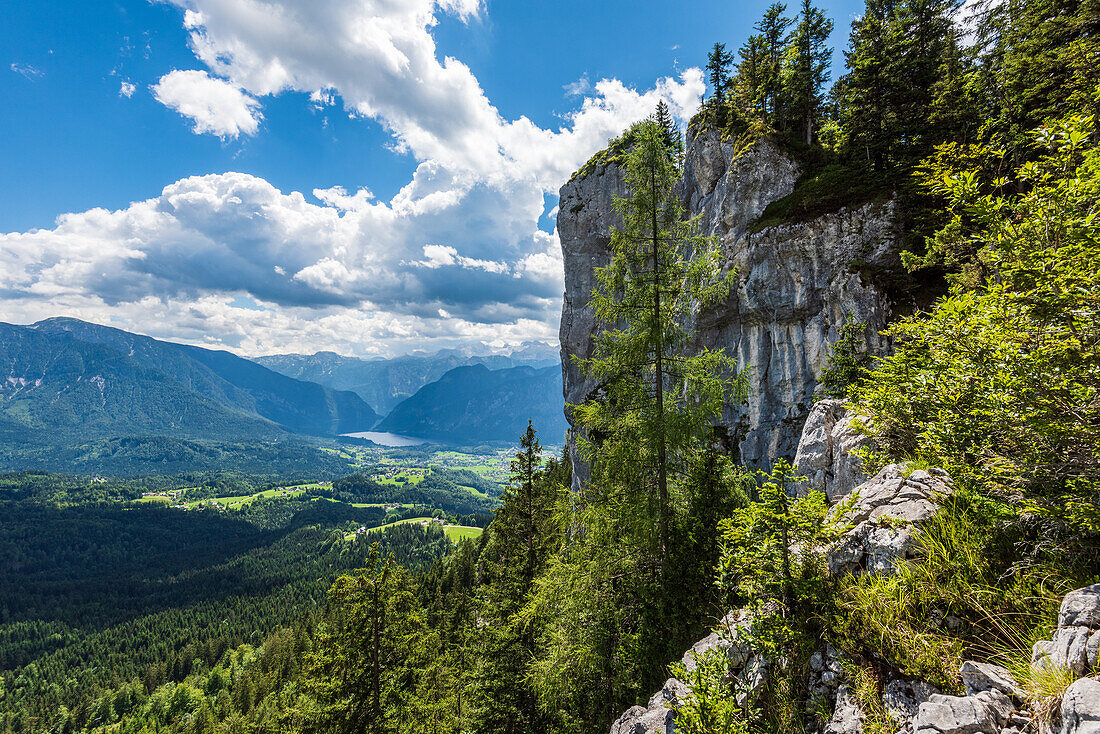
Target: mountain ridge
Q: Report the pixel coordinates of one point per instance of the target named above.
(475, 403)
(383, 383)
(69, 378)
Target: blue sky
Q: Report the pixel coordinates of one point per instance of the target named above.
(189, 169)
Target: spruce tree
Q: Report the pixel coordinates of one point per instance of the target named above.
(362, 675)
(674, 143)
(921, 30)
(748, 83)
(807, 70)
(718, 65)
(773, 30)
(868, 119)
(523, 538)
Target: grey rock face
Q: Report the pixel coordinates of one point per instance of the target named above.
(826, 673)
(585, 219)
(902, 697)
(887, 514)
(826, 452)
(725, 637)
(978, 677)
(1081, 608)
(1075, 648)
(655, 718)
(1081, 708)
(796, 284)
(1076, 643)
(749, 669)
(847, 716)
(985, 712)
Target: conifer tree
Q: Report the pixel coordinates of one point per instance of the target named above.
(921, 30)
(718, 65)
(362, 676)
(656, 399)
(868, 118)
(748, 83)
(523, 538)
(674, 142)
(807, 69)
(773, 30)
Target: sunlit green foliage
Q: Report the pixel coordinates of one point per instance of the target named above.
(1000, 384)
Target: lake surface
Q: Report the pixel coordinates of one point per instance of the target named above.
(388, 439)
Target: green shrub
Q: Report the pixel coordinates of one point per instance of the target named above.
(1000, 385)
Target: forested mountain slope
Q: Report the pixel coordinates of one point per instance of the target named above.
(469, 404)
(68, 379)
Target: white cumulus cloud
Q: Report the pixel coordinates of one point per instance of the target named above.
(455, 256)
(214, 105)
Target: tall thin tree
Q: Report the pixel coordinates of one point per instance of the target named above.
(657, 400)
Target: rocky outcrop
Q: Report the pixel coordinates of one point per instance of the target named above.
(797, 284)
(985, 712)
(656, 717)
(886, 513)
(847, 717)
(1076, 642)
(1081, 707)
(981, 677)
(826, 453)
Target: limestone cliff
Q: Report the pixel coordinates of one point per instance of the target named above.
(796, 283)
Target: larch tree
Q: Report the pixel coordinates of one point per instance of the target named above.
(656, 401)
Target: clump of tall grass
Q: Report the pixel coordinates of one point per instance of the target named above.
(961, 597)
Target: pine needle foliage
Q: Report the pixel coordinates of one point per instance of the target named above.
(656, 402)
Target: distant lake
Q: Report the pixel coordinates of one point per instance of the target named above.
(388, 439)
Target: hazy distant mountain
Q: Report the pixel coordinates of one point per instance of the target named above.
(472, 404)
(384, 383)
(64, 380)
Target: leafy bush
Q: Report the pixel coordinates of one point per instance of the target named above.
(1000, 385)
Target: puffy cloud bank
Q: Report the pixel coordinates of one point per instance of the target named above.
(456, 255)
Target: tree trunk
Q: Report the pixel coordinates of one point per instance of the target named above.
(659, 377)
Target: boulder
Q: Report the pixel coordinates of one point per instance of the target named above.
(657, 717)
(1081, 608)
(726, 637)
(750, 670)
(887, 513)
(847, 717)
(1076, 642)
(826, 452)
(1075, 648)
(985, 712)
(1081, 707)
(978, 677)
(902, 697)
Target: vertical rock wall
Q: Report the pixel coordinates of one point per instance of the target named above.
(796, 283)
